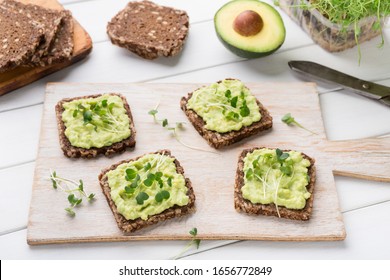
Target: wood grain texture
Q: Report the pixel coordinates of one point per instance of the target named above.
(212, 173)
(22, 76)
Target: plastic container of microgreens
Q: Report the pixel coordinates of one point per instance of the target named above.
(330, 36)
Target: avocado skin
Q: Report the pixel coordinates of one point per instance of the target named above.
(244, 53)
(241, 52)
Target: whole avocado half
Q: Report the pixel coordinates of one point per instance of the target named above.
(266, 41)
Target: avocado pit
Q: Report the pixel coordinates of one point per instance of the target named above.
(248, 23)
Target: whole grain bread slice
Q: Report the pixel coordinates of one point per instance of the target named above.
(149, 30)
(176, 211)
(19, 38)
(243, 205)
(218, 140)
(49, 19)
(77, 152)
(62, 46)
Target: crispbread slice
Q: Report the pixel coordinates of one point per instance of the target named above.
(61, 48)
(218, 140)
(244, 205)
(149, 30)
(19, 38)
(76, 152)
(49, 19)
(176, 211)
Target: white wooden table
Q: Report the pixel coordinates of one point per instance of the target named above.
(365, 205)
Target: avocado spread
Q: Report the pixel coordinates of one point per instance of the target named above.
(225, 106)
(96, 122)
(147, 186)
(273, 176)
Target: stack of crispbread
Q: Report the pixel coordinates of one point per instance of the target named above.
(33, 36)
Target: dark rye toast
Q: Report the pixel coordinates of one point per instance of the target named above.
(49, 19)
(128, 226)
(149, 30)
(218, 140)
(243, 205)
(76, 152)
(16, 47)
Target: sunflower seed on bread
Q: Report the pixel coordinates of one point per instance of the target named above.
(127, 225)
(149, 30)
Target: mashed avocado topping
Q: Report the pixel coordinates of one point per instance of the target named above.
(225, 106)
(273, 176)
(96, 122)
(147, 186)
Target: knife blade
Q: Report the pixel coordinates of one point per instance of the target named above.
(361, 87)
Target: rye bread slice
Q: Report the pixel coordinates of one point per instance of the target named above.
(49, 19)
(149, 30)
(77, 152)
(19, 38)
(218, 140)
(176, 211)
(62, 46)
(243, 205)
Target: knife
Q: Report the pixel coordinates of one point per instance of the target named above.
(323, 73)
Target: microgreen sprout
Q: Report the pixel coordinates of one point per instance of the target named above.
(194, 242)
(290, 120)
(174, 129)
(139, 184)
(72, 188)
(100, 115)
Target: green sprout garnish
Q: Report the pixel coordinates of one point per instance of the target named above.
(100, 115)
(194, 242)
(283, 164)
(290, 120)
(139, 184)
(73, 188)
(174, 129)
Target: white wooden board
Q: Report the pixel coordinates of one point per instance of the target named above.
(212, 174)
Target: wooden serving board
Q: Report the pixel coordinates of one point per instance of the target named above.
(212, 173)
(22, 76)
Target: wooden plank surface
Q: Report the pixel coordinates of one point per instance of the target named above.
(22, 76)
(212, 174)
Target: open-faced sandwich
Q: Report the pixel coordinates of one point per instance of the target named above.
(146, 190)
(225, 112)
(273, 182)
(95, 124)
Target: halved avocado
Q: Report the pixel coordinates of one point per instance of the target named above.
(249, 28)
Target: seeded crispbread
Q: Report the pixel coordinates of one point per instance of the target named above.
(49, 19)
(77, 152)
(128, 226)
(219, 140)
(244, 205)
(19, 38)
(149, 30)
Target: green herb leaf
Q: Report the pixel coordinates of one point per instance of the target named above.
(164, 122)
(233, 102)
(287, 118)
(193, 231)
(153, 112)
(91, 196)
(169, 181)
(147, 166)
(165, 194)
(249, 173)
(159, 174)
(158, 197)
(104, 103)
(135, 183)
(70, 211)
(244, 110)
(75, 113)
(232, 116)
(81, 186)
(287, 170)
(130, 174)
(141, 197)
(228, 93)
(87, 115)
(111, 106)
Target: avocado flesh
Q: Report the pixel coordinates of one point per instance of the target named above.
(268, 40)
